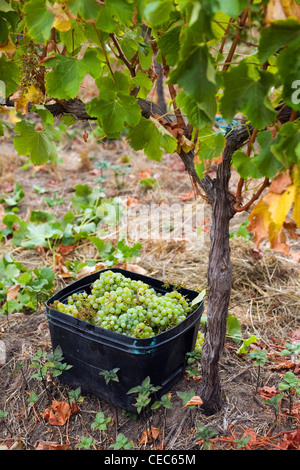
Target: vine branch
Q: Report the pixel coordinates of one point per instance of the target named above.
(236, 39)
(122, 56)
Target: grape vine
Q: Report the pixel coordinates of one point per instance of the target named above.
(235, 61)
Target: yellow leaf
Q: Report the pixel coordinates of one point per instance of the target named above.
(282, 9)
(61, 20)
(280, 204)
(186, 144)
(8, 48)
(22, 97)
(296, 181)
(290, 8)
(259, 221)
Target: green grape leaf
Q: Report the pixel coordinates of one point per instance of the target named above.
(9, 74)
(169, 44)
(143, 81)
(74, 37)
(64, 80)
(244, 165)
(120, 10)
(157, 12)
(38, 19)
(196, 75)
(4, 6)
(115, 113)
(38, 144)
(3, 30)
(265, 161)
(288, 63)
(279, 34)
(198, 114)
(286, 147)
(110, 87)
(211, 146)
(146, 136)
(245, 94)
(87, 9)
(92, 61)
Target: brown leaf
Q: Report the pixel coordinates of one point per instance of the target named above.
(267, 392)
(259, 221)
(252, 434)
(48, 445)
(12, 291)
(149, 436)
(58, 414)
(65, 249)
(280, 183)
(89, 270)
(194, 401)
(133, 268)
(291, 440)
(295, 335)
(145, 174)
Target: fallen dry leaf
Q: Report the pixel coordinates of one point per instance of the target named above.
(47, 445)
(58, 414)
(133, 268)
(12, 291)
(291, 440)
(149, 436)
(267, 392)
(145, 174)
(194, 401)
(295, 335)
(65, 249)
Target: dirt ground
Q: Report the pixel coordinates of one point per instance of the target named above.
(265, 299)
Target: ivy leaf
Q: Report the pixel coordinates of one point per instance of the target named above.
(146, 136)
(38, 144)
(38, 19)
(245, 94)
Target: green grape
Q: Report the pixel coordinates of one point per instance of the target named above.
(199, 341)
(129, 307)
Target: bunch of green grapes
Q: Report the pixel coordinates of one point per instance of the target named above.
(199, 341)
(126, 306)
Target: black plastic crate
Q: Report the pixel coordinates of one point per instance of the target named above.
(91, 349)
